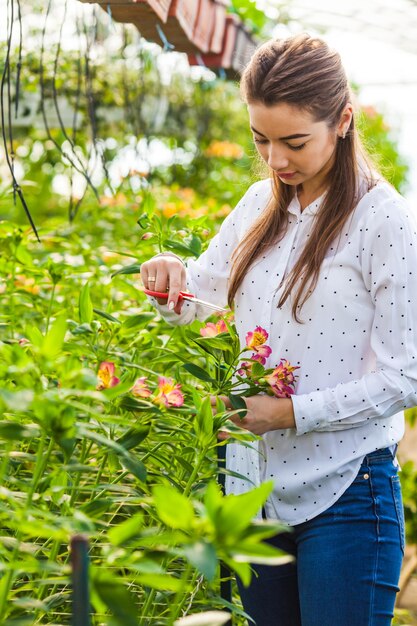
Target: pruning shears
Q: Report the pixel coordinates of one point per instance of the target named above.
(183, 295)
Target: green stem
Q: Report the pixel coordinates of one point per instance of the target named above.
(100, 472)
(74, 490)
(146, 607)
(181, 596)
(12, 315)
(195, 471)
(51, 300)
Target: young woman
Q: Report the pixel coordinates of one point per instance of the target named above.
(323, 255)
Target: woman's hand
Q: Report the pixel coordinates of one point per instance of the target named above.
(264, 414)
(165, 273)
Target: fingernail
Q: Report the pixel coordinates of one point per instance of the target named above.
(171, 306)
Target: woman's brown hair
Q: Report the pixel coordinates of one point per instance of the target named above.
(304, 72)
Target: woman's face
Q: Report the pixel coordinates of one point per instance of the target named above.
(299, 149)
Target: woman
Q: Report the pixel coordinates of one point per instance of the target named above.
(323, 255)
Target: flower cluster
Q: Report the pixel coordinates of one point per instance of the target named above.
(282, 379)
(278, 381)
(167, 393)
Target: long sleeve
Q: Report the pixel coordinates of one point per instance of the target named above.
(208, 276)
(389, 268)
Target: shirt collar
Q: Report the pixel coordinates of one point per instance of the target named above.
(311, 209)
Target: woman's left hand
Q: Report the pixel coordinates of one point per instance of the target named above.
(264, 413)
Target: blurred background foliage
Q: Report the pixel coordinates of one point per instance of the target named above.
(109, 110)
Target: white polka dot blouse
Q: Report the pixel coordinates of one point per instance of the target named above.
(356, 347)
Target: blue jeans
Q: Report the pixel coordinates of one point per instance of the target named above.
(347, 559)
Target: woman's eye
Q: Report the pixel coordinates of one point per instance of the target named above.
(261, 141)
(300, 147)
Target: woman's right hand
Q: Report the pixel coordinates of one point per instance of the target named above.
(165, 273)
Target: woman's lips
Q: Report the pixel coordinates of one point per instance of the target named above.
(286, 174)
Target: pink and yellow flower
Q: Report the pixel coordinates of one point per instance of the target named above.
(282, 379)
(169, 393)
(106, 376)
(140, 388)
(212, 329)
(256, 338)
(257, 341)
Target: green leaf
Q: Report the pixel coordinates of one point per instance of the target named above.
(17, 400)
(34, 335)
(136, 467)
(23, 256)
(96, 508)
(137, 321)
(213, 500)
(163, 582)
(15, 432)
(195, 245)
(129, 269)
(198, 372)
(118, 390)
(243, 570)
(130, 463)
(127, 530)
(258, 369)
(133, 437)
(85, 305)
(220, 342)
(203, 422)
(132, 404)
(246, 552)
(179, 247)
(54, 340)
(115, 595)
(203, 557)
(238, 404)
(107, 316)
(237, 512)
(173, 508)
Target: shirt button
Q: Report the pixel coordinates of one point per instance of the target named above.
(366, 476)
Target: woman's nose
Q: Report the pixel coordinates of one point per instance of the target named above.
(277, 159)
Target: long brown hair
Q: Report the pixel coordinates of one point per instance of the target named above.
(304, 72)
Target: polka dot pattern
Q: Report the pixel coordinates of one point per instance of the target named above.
(356, 347)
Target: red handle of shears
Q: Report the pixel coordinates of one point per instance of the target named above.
(164, 294)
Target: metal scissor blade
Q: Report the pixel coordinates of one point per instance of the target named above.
(204, 303)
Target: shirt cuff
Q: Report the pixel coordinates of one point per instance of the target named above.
(309, 412)
(187, 315)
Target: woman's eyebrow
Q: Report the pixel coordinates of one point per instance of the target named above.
(296, 136)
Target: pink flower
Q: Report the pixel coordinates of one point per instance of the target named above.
(169, 393)
(256, 338)
(211, 329)
(261, 354)
(245, 368)
(282, 379)
(106, 376)
(140, 388)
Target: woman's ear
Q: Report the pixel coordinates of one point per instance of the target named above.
(345, 120)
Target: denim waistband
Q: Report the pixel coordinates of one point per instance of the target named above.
(380, 455)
